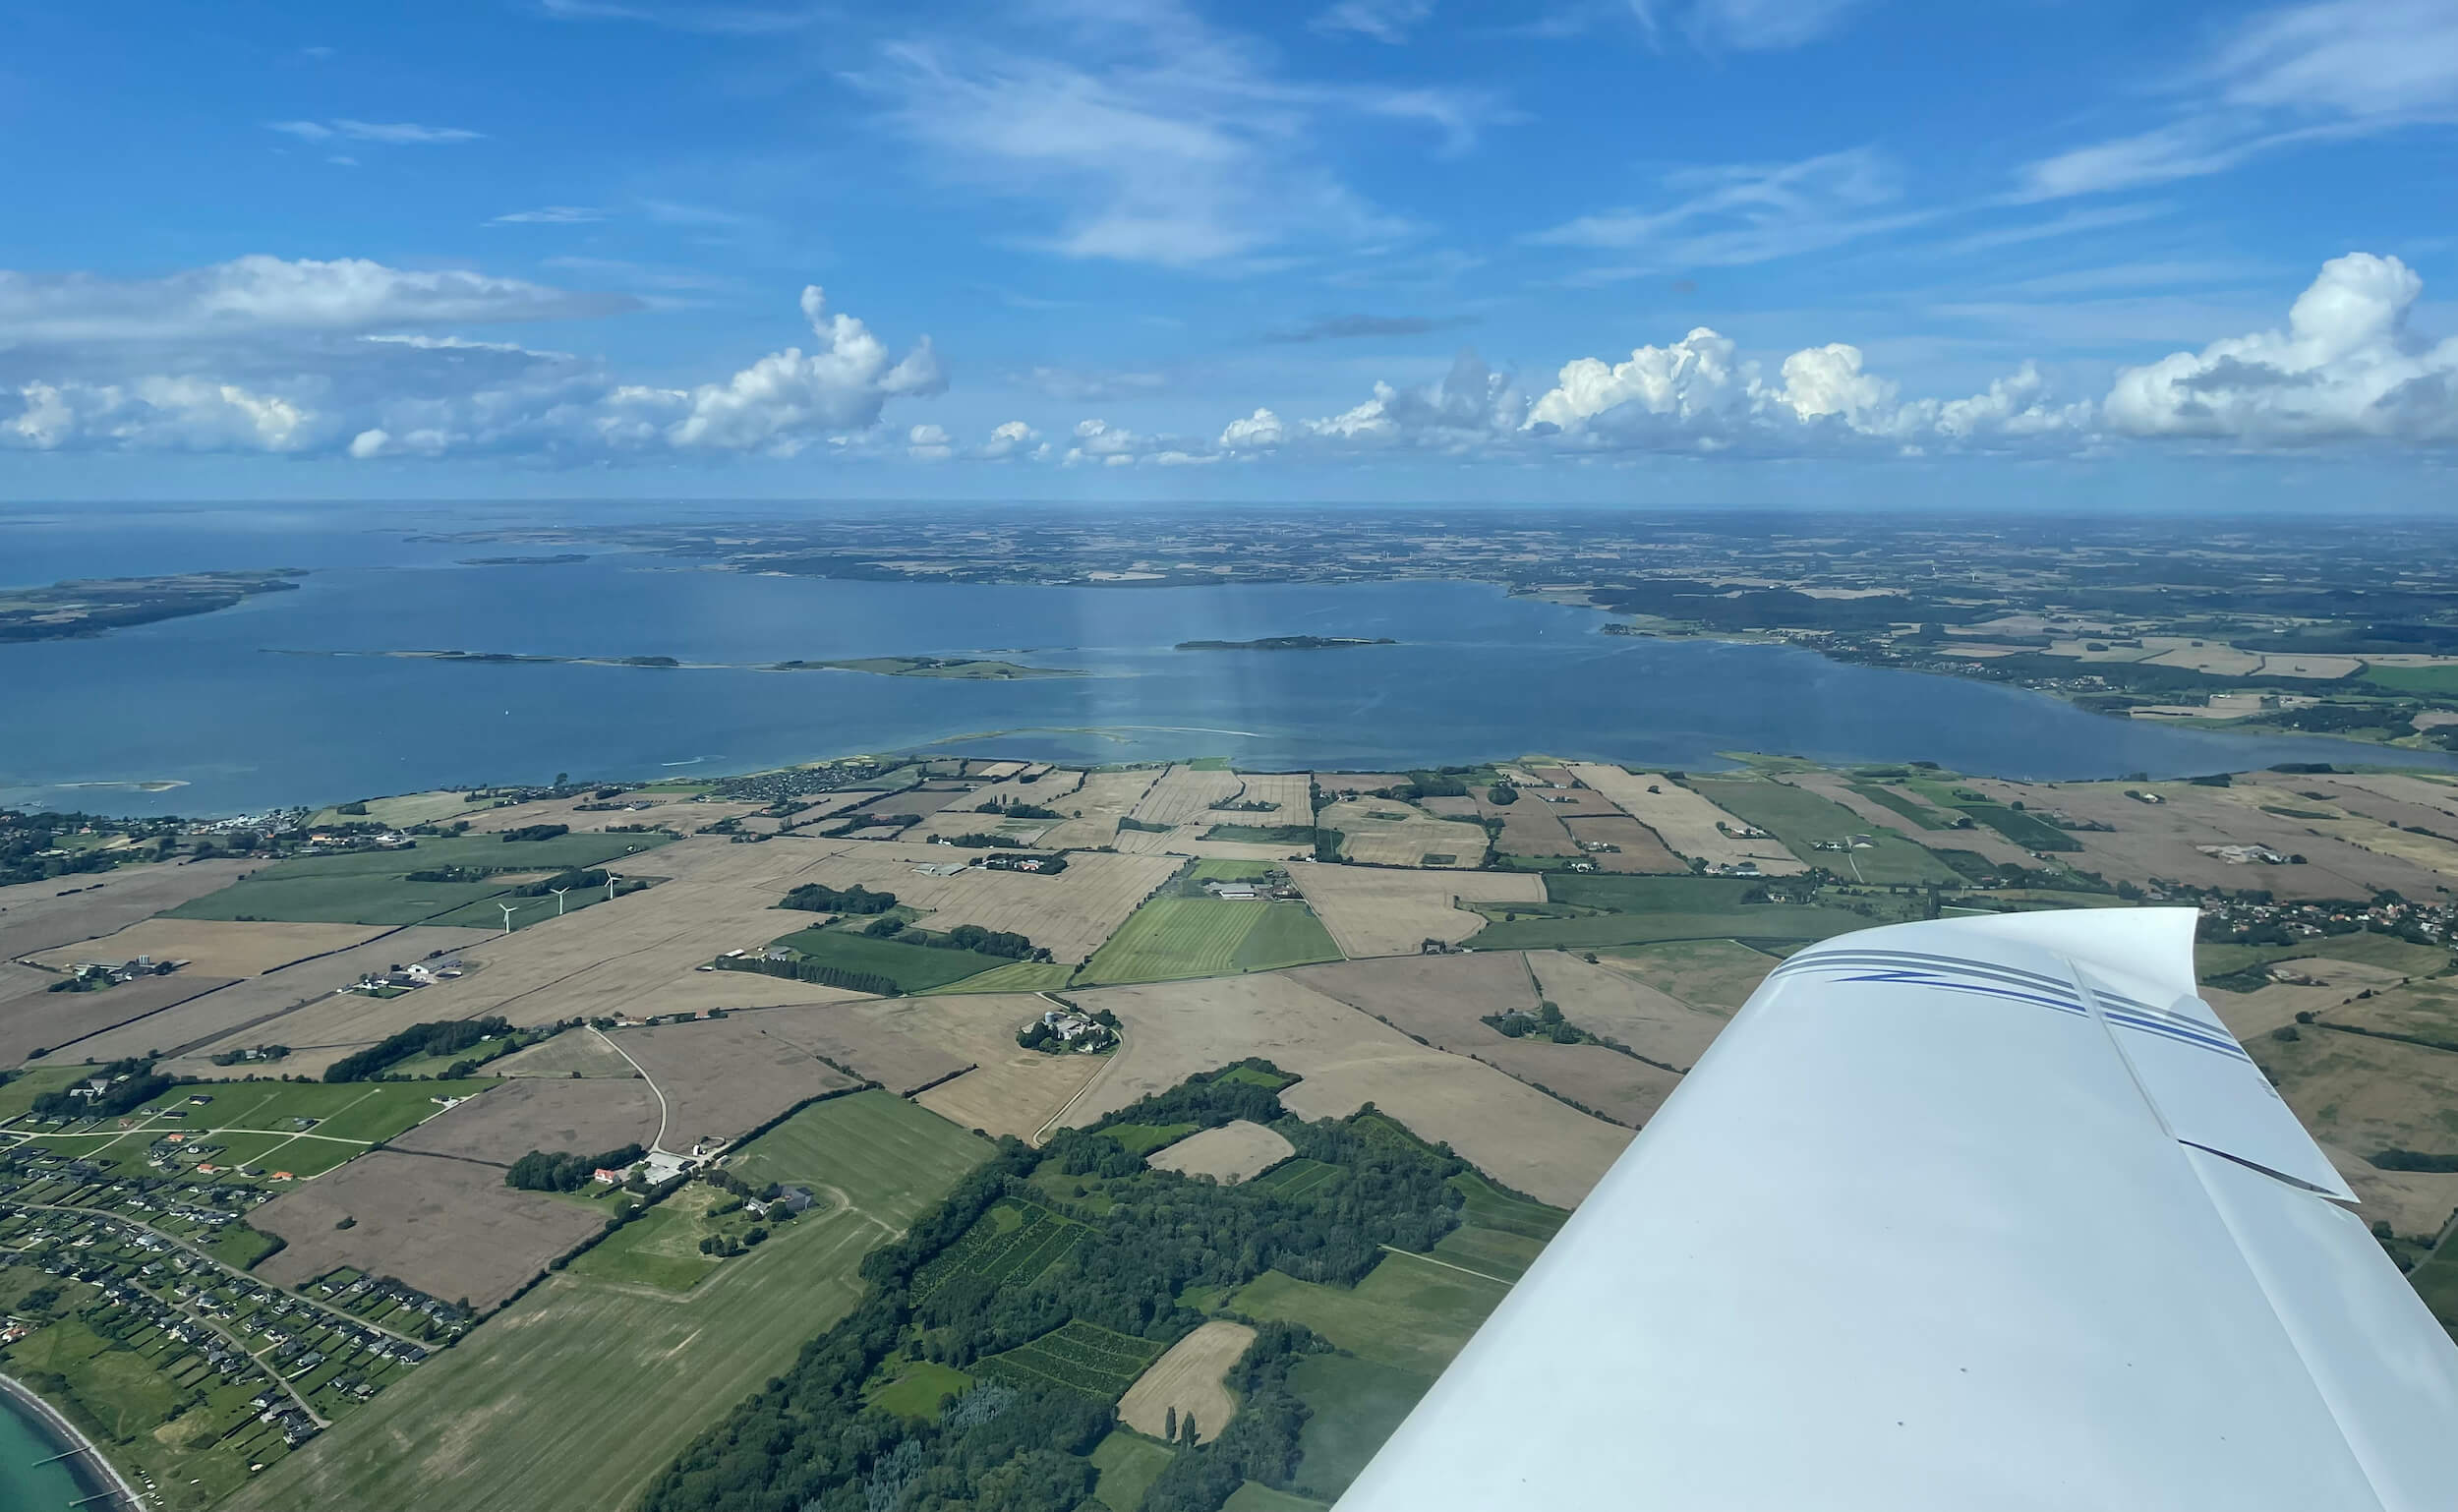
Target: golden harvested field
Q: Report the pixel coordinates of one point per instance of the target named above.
(681, 814)
(1234, 1152)
(253, 1010)
(721, 1077)
(1371, 912)
(865, 1037)
(1095, 808)
(1687, 822)
(1406, 838)
(965, 819)
(1011, 1091)
(213, 948)
(1608, 1003)
(1289, 792)
(1185, 1383)
(1186, 796)
(697, 992)
(1069, 914)
(450, 1227)
(2351, 825)
(2326, 985)
(1716, 975)
(1508, 1129)
(1444, 1001)
(39, 915)
(1054, 787)
(503, 1124)
(1636, 847)
(2390, 799)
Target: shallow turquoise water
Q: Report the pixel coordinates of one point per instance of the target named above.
(25, 1485)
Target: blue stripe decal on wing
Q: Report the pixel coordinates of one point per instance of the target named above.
(2011, 984)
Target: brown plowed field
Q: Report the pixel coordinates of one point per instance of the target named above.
(33, 916)
(866, 1036)
(450, 1227)
(505, 1122)
(1444, 1001)
(724, 1076)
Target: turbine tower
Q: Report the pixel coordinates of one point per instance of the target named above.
(558, 900)
(508, 916)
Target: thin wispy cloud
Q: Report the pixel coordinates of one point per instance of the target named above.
(398, 133)
(551, 215)
(1353, 328)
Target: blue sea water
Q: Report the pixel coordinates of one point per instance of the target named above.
(212, 702)
(32, 1479)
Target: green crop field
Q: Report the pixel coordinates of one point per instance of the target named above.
(1912, 809)
(1491, 1207)
(1144, 1138)
(1179, 937)
(2374, 950)
(1011, 1242)
(1129, 1465)
(1297, 1177)
(372, 887)
(1801, 819)
(1358, 1403)
(1078, 1356)
(912, 968)
(1493, 1252)
(1756, 921)
(916, 1389)
(582, 1392)
(660, 1247)
(1714, 974)
(1231, 871)
(2415, 679)
(1409, 1311)
(1255, 1497)
(2020, 827)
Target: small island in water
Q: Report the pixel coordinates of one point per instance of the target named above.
(91, 605)
(966, 668)
(1289, 643)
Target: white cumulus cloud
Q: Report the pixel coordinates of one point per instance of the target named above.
(259, 293)
(2345, 368)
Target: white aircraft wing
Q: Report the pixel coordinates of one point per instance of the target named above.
(1981, 1213)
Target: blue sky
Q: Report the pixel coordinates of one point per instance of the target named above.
(1654, 250)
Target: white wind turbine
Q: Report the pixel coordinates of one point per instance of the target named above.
(508, 916)
(558, 900)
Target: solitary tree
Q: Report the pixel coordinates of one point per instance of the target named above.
(1170, 1429)
(1186, 1430)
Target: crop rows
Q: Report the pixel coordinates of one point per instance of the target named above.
(1081, 1356)
(1021, 1252)
(1298, 1177)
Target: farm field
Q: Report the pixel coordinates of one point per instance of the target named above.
(1011, 1242)
(1444, 1000)
(1615, 1006)
(1716, 975)
(39, 915)
(43, 1020)
(1636, 847)
(257, 1120)
(1231, 1153)
(1175, 1029)
(1068, 914)
(1128, 1467)
(587, 1055)
(372, 887)
(1290, 795)
(1078, 1356)
(2364, 1095)
(1687, 822)
(508, 1120)
(1184, 796)
(212, 948)
(1802, 819)
(1385, 831)
(1373, 911)
(879, 1038)
(718, 1077)
(1409, 1312)
(1186, 1382)
(1095, 807)
(1530, 826)
(1750, 921)
(485, 1425)
(1178, 937)
(912, 968)
(249, 1008)
(1495, 1253)
(660, 1247)
(450, 1228)
(1010, 1090)
(1358, 1405)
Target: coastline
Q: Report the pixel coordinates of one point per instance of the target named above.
(105, 1487)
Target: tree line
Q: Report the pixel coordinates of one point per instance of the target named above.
(443, 1036)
